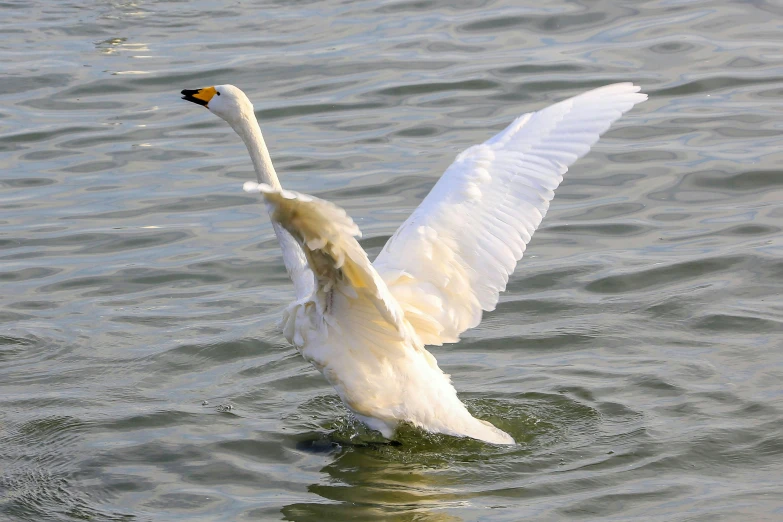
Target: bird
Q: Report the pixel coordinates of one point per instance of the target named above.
(366, 325)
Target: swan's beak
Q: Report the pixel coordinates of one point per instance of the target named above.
(199, 96)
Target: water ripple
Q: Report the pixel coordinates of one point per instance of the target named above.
(635, 356)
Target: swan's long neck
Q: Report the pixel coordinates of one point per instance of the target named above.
(250, 132)
(293, 256)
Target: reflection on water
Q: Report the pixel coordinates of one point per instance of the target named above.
(635, 356)
(425, 476)
(362, 484)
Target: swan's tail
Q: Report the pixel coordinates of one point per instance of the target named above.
(489, 433)
(461, 423)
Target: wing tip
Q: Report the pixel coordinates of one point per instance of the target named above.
(250, 186)
(623, 88)
(263, 188)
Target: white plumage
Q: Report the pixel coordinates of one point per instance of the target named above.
(365, 325)
(478, 218)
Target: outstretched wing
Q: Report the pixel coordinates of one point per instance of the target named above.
(326, 234)
(452, 257)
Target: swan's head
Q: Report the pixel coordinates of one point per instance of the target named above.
(226, 101)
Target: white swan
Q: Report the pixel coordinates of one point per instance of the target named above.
(365, 325)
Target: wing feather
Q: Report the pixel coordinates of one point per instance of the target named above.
(339, 263)
(450, 260)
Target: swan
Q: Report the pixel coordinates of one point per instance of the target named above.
(365, 325)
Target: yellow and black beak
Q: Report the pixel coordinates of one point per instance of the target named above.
(199, 96)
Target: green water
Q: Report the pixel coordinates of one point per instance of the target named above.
(635, 357)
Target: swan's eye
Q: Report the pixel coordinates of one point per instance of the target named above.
(217, 92)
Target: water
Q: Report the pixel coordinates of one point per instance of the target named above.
(636, 356)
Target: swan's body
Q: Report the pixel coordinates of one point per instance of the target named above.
(365, 325)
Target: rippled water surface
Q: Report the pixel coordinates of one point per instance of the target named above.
(636, 356)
